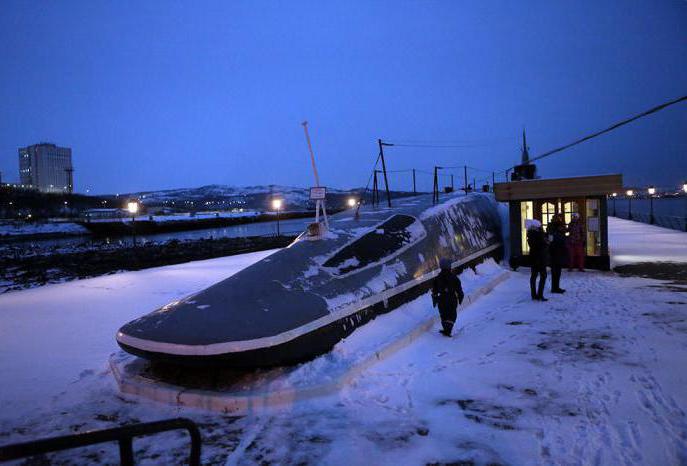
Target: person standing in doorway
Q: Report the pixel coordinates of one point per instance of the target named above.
(536, 240)
(447, 293)
(576, 244)
(557, 251)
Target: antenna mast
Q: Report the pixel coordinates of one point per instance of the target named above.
(319, 203)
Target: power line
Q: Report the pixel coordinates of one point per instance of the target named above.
(611, 128)
(441, 146)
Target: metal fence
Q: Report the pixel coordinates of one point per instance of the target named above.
(673, 222)
(123, 435)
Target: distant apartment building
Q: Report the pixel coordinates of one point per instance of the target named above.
(47, 168)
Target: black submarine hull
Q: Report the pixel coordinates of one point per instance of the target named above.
(298, 303)
(310, 345)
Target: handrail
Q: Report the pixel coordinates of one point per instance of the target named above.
(124, 435)
(673, 222)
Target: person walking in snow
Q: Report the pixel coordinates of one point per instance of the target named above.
(557, 251)
(447, 293)
(576, 244)
(536, 240)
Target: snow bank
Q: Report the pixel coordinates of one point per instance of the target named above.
(41, 228)
(633, 242)
(56, 332)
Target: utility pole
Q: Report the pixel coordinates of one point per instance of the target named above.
(465, 178)
(493, 180)
(452, 182)
(386, 181)
(414, 190)
(435, 188)
(375, 190)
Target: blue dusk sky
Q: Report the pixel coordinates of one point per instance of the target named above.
(163, 94)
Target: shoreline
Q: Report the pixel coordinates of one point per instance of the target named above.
(120, 227)
(20, 273)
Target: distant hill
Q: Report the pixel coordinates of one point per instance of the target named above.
(216, 196)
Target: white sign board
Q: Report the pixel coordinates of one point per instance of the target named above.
(318, 194)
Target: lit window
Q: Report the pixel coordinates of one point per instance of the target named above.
(548, 210)
(526, 213)
(569, 208)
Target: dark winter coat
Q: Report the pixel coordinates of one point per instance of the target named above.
(539, 247)
(557, 249)
(447, 291)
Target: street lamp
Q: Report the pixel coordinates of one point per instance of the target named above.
(352, 202)
(651, 190)
(629, 194)
(132, 207)
(276, 205)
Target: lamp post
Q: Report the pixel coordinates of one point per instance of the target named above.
(614, 196)
(276, 205)
(132, 207)
(684, 190)
(629, 194)
(651, 190)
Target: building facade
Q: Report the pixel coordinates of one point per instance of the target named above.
(542, 198)
(47, 168)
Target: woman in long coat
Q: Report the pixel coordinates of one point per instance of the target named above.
(576, 242)
(539, 247)
(557, 251)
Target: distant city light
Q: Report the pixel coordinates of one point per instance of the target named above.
(132, 207)
(651, 190)
(629, 192)
(614, 194)
(684, 186)
(276, 204)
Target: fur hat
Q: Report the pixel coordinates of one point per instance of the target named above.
(532, 224)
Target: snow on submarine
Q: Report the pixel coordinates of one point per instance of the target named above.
(300, 301)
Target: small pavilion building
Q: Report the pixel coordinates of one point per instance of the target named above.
(542, 198)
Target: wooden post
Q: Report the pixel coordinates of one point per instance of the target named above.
(435, 187)
(386, 181)
(465, 179)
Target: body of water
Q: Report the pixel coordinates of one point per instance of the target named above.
(286, 227)
(668, 212)
(674, 206)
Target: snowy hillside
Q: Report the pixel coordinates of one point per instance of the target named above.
(249, 197)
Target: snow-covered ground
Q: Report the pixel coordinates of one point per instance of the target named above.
(595, 376)
(632, 242)
(40, 228)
